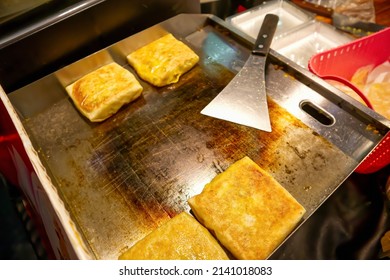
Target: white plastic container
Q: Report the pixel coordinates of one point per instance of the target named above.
(290, 16)
(301, 43)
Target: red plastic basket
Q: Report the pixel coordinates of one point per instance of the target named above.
(341, 63)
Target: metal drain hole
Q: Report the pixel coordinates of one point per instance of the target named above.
(317, 113)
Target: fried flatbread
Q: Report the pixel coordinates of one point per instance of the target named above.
(247, 210)
(163, 61)
(181, 238)
(101, 93)
(379, 96)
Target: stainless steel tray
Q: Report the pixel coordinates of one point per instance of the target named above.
(122, 178)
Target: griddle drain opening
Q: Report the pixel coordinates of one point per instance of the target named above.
(317, 113)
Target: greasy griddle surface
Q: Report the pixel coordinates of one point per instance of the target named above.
(122, 178)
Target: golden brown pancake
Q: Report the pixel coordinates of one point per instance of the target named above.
(163, 61)
(247, 210)
(181, 238)
(101, 93)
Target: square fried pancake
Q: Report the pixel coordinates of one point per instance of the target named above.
(101, 93)
(247, 210)
(163, 61)
(181, 238)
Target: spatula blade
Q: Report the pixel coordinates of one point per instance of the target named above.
(244, 99)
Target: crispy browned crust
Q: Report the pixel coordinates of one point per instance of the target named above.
(181, 238)
(163, 61)
(100, 94)
(248, 211)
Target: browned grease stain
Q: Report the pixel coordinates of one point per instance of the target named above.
(234, 141)
(280, 121)
(139, 143)
(147, 143)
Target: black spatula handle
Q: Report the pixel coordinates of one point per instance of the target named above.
(266, 33)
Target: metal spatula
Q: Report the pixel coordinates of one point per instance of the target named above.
(244, 99)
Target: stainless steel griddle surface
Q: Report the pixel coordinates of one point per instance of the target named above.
(122, 178)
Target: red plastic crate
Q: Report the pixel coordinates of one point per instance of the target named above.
(341, 63)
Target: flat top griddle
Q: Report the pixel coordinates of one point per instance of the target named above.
(122, 178)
